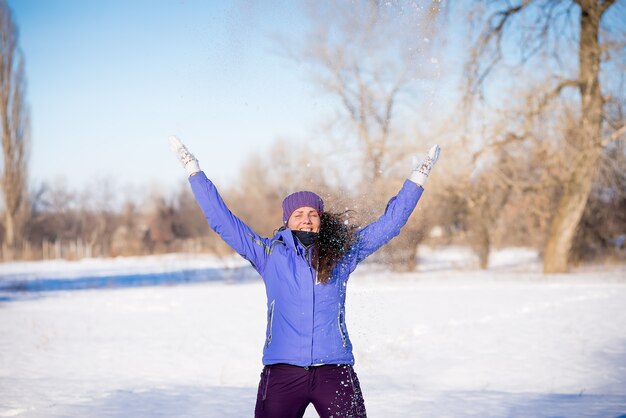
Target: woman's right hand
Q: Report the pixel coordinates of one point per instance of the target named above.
(187, 159)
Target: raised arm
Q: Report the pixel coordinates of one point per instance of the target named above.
(398, 210)
(229, 227)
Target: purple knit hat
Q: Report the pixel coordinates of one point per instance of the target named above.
(300, 199)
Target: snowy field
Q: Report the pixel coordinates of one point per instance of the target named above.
(447, 341)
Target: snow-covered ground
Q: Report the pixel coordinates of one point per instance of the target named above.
(447, 341)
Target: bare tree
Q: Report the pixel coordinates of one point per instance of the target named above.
(97, 216)
(14, 117)
(368, 56)
(264, 182)
(547, 27)
(372, 58)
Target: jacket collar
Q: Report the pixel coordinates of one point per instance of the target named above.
(286, 236)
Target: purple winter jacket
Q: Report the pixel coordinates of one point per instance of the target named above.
(305, 320)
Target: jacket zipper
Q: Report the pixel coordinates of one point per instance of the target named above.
(266, 383)
(313, 316)
(270, 321)
(306, 255)
(340, 323)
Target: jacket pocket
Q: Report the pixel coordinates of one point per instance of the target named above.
(270, 323)
(340, 324)
(266, 382)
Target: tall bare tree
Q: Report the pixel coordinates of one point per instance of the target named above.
(369, 57)
(548, 28)
(14, 117)
(373, 59)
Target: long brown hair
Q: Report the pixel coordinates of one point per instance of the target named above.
(337, 234)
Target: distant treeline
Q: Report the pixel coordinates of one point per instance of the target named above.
(482, 212)
(526, 100)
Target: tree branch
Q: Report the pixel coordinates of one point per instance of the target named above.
(556, 91)
(492, 33)
(605, 6)
(614, 136)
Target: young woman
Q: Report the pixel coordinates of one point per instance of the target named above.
(307, 355)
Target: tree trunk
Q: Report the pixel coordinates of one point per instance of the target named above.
(13, 121)
(587, 145)
(566, 219)
(480, 240)
(484, 249)
(9, 237)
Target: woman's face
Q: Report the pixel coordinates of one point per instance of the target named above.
(304, 219)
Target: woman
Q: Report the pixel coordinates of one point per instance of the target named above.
(307, 355)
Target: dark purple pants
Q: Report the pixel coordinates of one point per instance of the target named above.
(285, 391)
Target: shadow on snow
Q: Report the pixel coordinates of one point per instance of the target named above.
(14, 288)
(207, 402)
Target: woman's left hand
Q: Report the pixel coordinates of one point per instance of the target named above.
(421, 171)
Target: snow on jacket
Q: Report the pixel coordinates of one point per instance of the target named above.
(305, 320)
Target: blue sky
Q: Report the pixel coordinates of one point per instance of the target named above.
(109, 81)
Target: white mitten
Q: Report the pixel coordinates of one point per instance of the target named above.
(421, 171)
(184, 156)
